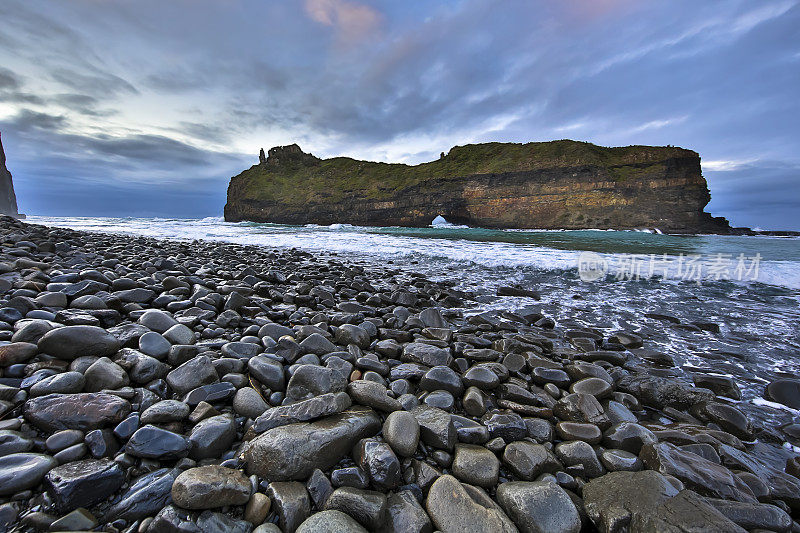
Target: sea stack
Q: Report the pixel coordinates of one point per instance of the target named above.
(546, 185)
(8, 200)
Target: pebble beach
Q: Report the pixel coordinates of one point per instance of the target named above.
(149, 385)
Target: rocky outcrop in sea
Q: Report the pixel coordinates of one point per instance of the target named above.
(546, 185)
(162, 386)
(8, 200)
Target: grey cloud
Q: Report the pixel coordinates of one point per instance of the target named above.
(28, 120)
(99, 83)
(720, 77)
(7, 79)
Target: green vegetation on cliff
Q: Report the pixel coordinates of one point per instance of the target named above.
(290, 177)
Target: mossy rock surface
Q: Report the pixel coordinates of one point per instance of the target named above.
(296, 178)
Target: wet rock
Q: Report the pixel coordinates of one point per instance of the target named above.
(17, 352)
(317, 344)
(539, 507)
(331, 521)
(507, 425)
(474, 402)
(104, 374)
(621, 498)
(192, 374)
(350, 334)
(77, 520)
(70, 342)
(469, 431)
(291, 503)
(248, 402)
(372, 395)
(540, 430)
(583, 408)
(210, 521)
(753, 515)
(580, 459)
(629, 437)
(401, 430)
(215, 392)
(21, 471)
(352, 476)
(208, 487)
(155, 345)
(699, 474)
(84, 411)
(83, 483)
(661, 392)
(404, 514)
(366, 506)
(725, 416)
(784, 391)
(173, 519)
(152, 442)
(294, 451)
(481, 377)
(212, 437)
(528, 460)
(435, 427)
(577, 431)
(303, 411)
(426, 354)
(475, 465)
(442, 378)
(719, 385)
(158, 321)
(164, 412)
(440, 399)
(455, 507)
(689, 512)
(620, 460)
(180, 334)
(782, 486)
(257, 508)
(312, 380)
(319, 488)
(13, 442)
(380, 463)
(145, 497)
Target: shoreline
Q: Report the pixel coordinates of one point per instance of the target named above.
(175, 360)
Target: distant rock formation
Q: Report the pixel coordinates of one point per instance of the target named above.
(548, 185)
(8, 200)
(262, 158)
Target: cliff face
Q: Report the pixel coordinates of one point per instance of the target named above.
(8, 200)
(560, 184)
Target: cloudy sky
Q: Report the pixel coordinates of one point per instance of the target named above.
(146, 108)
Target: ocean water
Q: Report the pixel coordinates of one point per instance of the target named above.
(750, 286)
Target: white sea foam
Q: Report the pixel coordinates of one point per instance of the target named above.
(445, 245)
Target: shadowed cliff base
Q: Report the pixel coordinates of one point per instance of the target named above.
(548, 185)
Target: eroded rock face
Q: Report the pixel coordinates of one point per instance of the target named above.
(293, 452)
(8, 200)
(534, 185)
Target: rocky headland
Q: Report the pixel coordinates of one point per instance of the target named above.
(547, 185)
(8, 200)
(163, 386)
